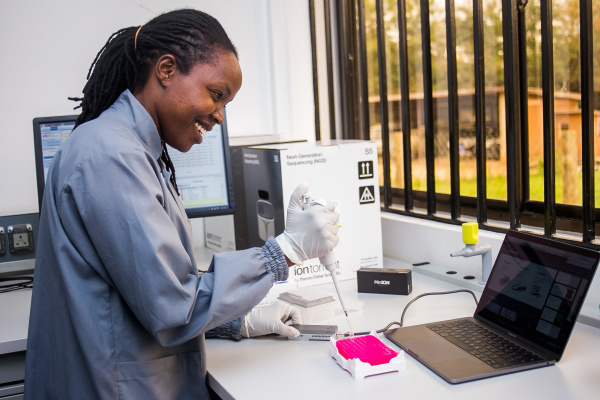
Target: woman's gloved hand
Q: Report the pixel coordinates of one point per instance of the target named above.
(271, 319)
(310, 233)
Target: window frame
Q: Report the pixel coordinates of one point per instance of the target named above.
(346, 20)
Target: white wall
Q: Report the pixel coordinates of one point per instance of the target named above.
(48, 46)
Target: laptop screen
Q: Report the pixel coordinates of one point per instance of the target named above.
(536, 288)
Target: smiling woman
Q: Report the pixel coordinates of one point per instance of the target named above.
(115, 267)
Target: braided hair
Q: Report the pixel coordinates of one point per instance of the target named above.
(128, 56)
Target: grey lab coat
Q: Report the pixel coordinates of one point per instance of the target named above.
(118, 310)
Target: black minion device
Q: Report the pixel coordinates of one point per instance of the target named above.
(384, 280)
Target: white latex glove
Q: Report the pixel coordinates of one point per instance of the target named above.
(310, 233)
(271, 319)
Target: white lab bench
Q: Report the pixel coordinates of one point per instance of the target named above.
(269, 367)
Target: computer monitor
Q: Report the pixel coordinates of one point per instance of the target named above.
(203, 174)
(48, 134)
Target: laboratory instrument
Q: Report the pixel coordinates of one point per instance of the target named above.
(384, 280)
(329, 260)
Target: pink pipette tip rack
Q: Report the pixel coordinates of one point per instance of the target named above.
(366, 355)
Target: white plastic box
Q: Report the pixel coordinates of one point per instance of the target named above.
(359, 369)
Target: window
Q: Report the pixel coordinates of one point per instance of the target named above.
(500, 100)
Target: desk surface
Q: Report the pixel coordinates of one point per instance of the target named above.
(268, 366)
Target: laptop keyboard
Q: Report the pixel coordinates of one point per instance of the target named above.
(489, 347)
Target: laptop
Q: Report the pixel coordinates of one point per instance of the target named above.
(530, 304)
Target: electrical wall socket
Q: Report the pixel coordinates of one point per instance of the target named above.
(18, 243)
(20, 238)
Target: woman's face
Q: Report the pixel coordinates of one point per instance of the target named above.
(190, 105)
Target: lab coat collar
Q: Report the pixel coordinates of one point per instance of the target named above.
(141, 121)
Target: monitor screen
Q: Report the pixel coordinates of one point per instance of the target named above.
(48, 134)
(203, 174)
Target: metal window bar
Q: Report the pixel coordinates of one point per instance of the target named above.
(315, 70)
(428, 107)
(329, 55)
(521, 9)
(363, 77)
(513, 107)
(480, 129)
(453, 110)
(405, 105)
(383, 106)
(548, 118)
(587, 120)
(348, 65)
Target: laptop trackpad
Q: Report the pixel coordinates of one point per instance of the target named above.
(435, 349)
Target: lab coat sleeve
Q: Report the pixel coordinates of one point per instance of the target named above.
(130, 236)
(229, 330)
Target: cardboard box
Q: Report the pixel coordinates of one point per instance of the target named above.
(343, 171)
